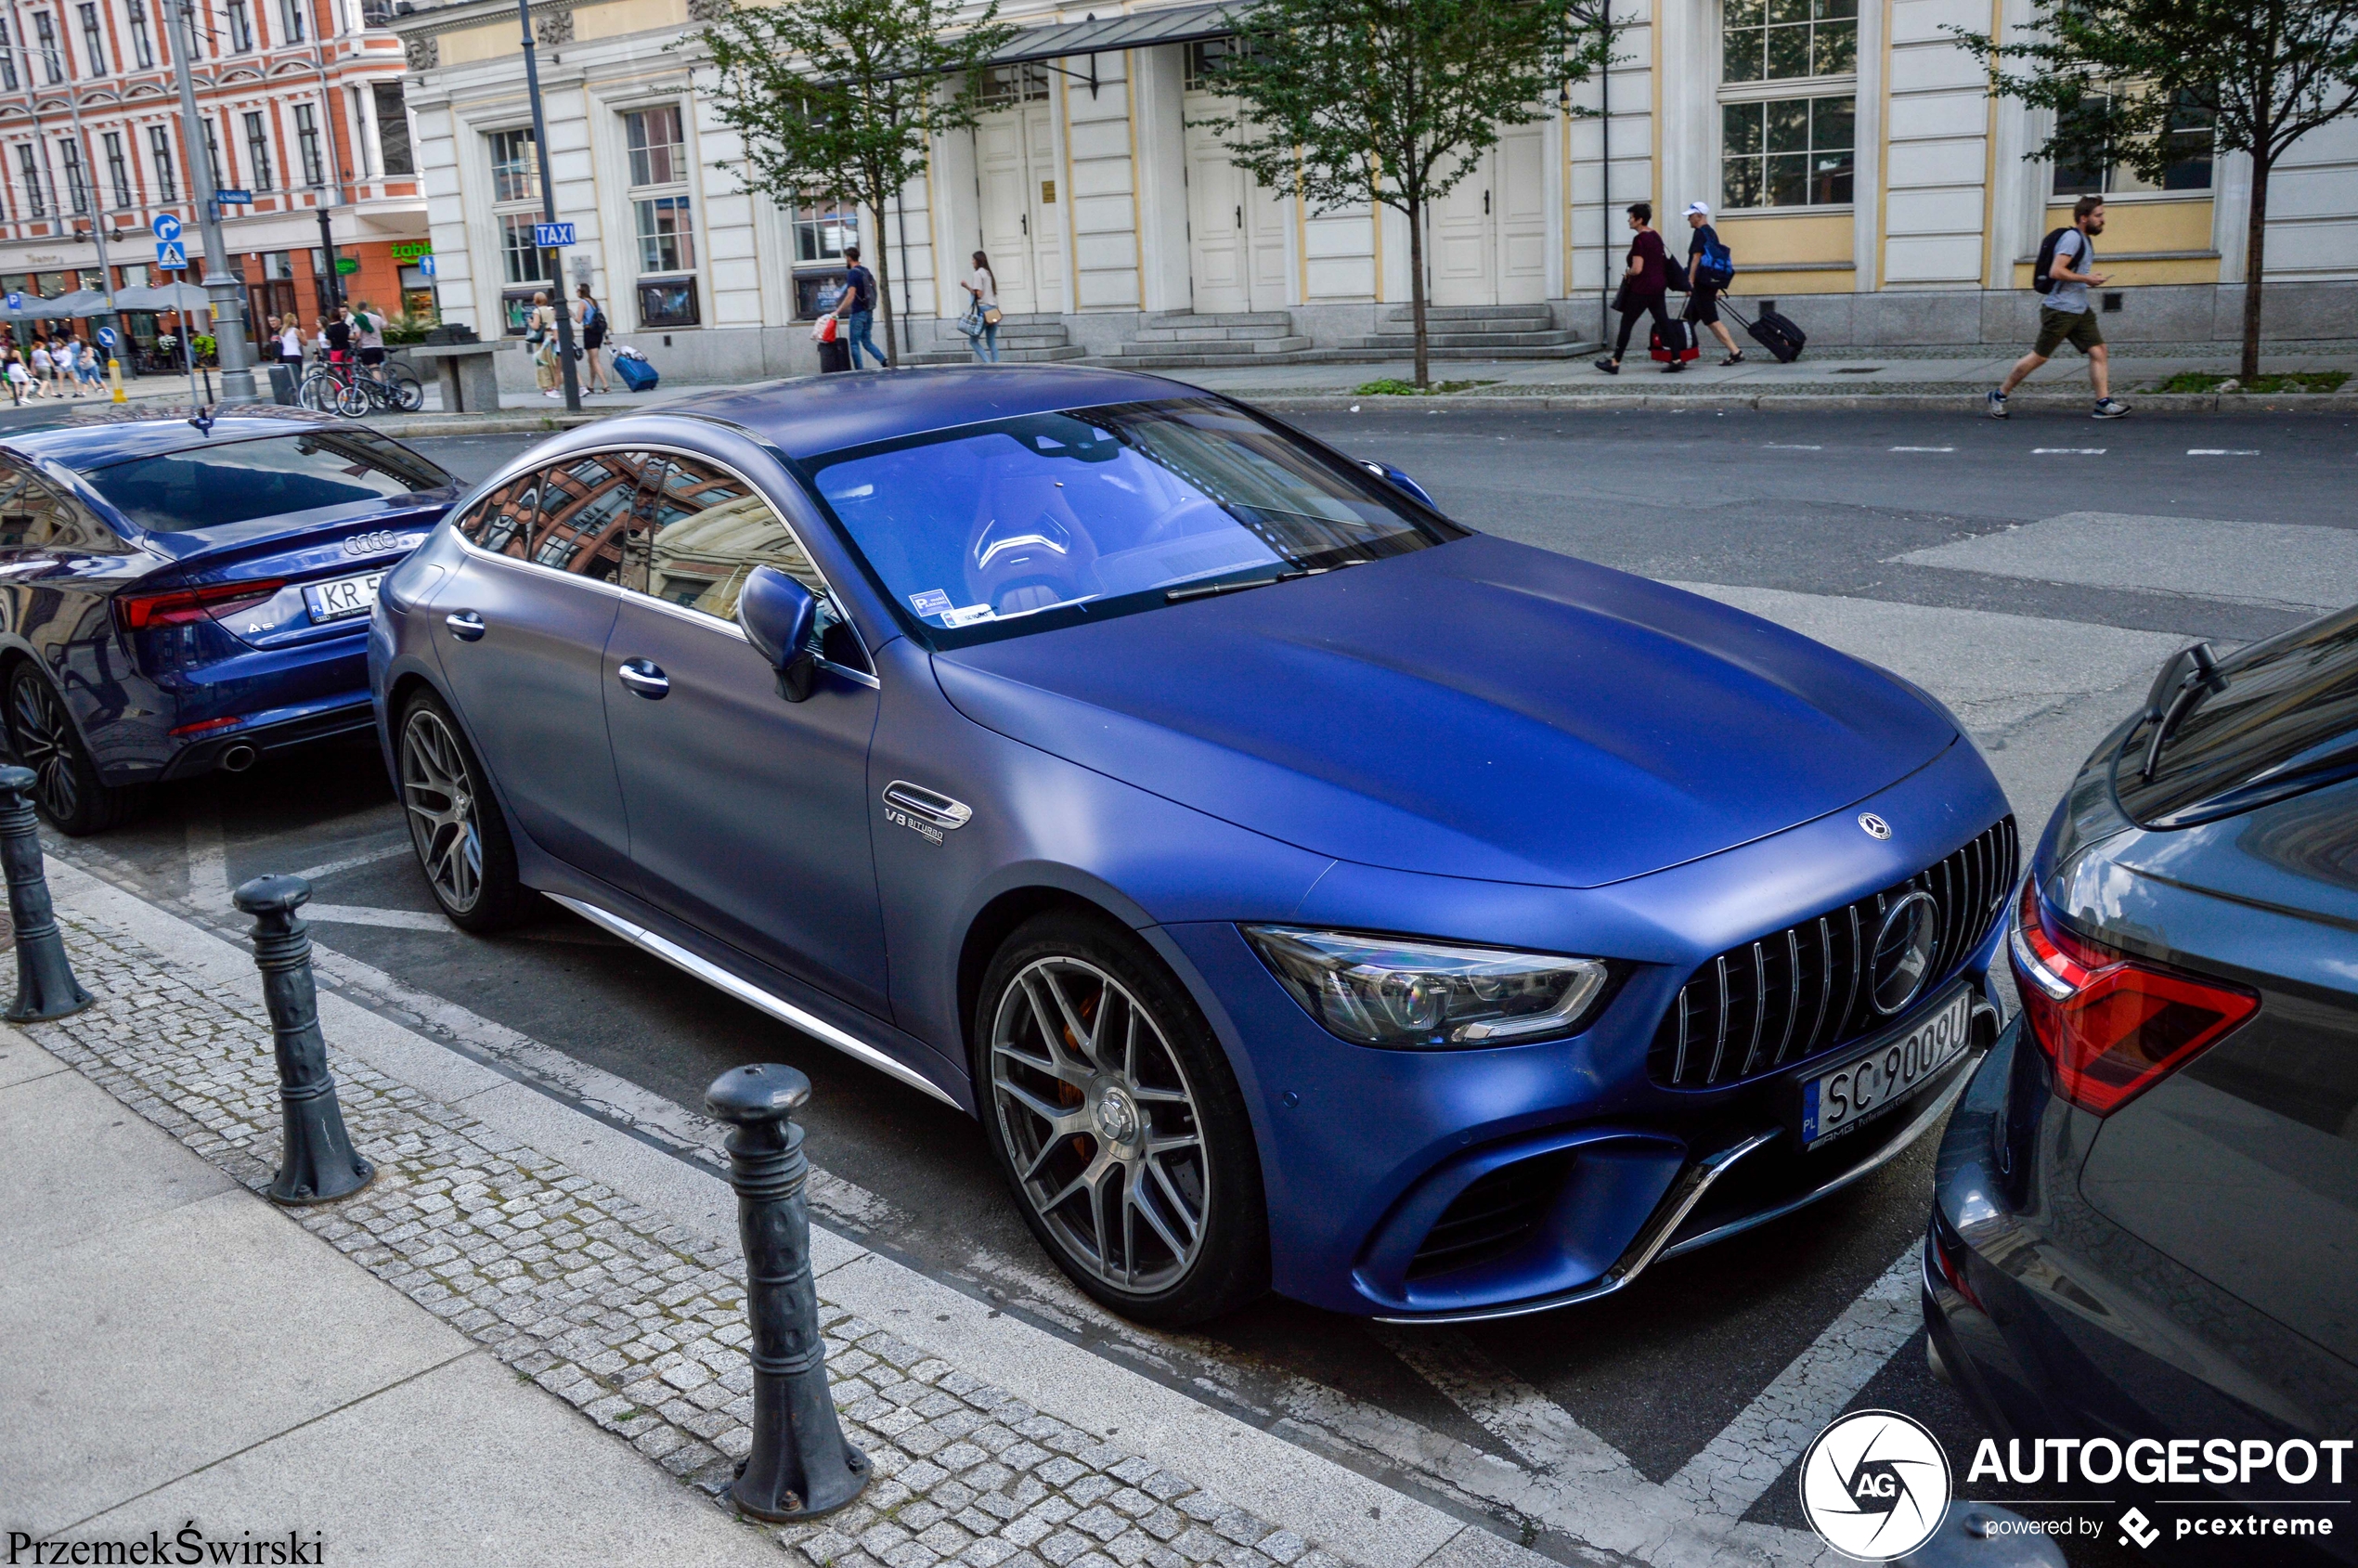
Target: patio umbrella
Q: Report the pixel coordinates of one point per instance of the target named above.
(33, 309)
(170, 296)
(81, 302)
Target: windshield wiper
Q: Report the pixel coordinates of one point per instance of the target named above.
(2191, 674)
(1212, 590)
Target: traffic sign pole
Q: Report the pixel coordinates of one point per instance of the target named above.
(228, 290)
(549, 210)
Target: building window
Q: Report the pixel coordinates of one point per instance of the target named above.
(29, 165)
(822, 232)
(1786, 152)
(160, 152)
(666, 237)
(77, 188)
(142, 49)
(118, 169)
(7, 57)
(314, 172)
(2095, 174)
(658, 155)
(521, 260)
(240, 27)
(1007, 84)
(290, 20)
(666, 301)
(1203, 58)
(258, 152)
(515, 169)
(393, 129)
(1776, 40)
(93, 41)
(46, 32)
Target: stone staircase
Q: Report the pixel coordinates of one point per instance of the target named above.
(1023, 340)
(1477, 332)
(1181, 340)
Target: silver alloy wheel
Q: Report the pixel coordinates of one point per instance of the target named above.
(1100, 1123)
(441, 806)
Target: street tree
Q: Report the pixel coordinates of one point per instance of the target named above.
(1390, 103)
(839, 100)
(2133, 82)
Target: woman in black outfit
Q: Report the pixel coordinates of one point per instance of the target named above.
(593, 336)
(1641, 285)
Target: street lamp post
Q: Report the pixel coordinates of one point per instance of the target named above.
(229, 292)
(549, 208)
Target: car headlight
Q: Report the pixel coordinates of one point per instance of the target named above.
(1428, 996)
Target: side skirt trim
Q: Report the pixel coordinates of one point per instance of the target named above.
(753, 995)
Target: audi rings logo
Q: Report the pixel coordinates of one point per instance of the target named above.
(1875, 826)
(1875, 1485)
(380, 543)
(1903, 952)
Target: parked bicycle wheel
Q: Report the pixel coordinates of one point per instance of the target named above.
(408, 393)
(352, 400)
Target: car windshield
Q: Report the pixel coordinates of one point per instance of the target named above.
(2285, 720)
(1020, 524)
(238, 481)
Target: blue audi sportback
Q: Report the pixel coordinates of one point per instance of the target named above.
(176, 598)
(1302, 889)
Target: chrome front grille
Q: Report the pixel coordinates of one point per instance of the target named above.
(1800, 991)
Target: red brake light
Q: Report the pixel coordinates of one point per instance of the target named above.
(137, 612)
(2113, 1027)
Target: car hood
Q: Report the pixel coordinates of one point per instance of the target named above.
(1480, 709)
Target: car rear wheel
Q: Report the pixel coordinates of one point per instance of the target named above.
(455, 821)
(1117, 1123)
(67, 789)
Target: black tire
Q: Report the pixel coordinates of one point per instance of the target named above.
(456, 825)
(67, 793)
(1163, 1219)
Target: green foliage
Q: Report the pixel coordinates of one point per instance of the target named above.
(1393, 102)
(2131, 78)
(2295, 381)
(1392, 386)
(840, 100)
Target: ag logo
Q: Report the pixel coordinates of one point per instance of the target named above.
(1874, 1485)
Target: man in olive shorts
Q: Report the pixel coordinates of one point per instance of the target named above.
(2067, 316)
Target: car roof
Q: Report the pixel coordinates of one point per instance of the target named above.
(88, 443)
(810, 415)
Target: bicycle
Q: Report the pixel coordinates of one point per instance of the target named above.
(354, 390)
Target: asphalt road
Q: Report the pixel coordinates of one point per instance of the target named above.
(2216, 526)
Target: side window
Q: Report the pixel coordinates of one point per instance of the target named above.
(80, 532)
(501, 521)
(585, 508)
(32, 516)
(696, 536)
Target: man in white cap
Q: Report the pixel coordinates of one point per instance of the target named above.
(1703, 301)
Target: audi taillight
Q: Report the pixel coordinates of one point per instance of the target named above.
(2112, 1025)
(138, 612)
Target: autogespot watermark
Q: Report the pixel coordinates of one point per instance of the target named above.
(1876, 1485)
(190, 1545)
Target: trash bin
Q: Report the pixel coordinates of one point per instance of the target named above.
(282, 383)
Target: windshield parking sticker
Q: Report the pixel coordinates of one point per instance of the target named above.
(932, 602)
(969, 616)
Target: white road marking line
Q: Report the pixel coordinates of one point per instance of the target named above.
(352, 863)
(1770, 1433)
(2067, 451)
(1526, 1419)
(2222, 452)
(359, 914)
(1924, 449)
(1790, 447)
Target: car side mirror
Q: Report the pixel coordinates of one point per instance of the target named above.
(780, 617)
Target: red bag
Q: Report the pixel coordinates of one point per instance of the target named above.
(823, 330)
(1679, 343)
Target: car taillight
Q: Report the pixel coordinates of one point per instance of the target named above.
(137, 612)
(2112, 1025)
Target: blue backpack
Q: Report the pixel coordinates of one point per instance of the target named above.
(1713, 269)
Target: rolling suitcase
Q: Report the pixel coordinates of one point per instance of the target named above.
(1776, 333)
(834, 354)
(636, 373)
(1673, 345)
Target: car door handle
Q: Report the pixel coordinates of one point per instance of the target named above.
(465, 624)
(645, 676)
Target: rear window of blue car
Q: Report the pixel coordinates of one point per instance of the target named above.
(238, 481)
(1020, 524)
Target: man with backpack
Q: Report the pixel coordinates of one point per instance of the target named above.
(2065, 272)
(1708, 274)
(859, 310)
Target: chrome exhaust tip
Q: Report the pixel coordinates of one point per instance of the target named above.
(238, 758)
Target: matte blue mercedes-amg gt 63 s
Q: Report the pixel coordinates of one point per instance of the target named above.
(178, 597)
(1302, 889)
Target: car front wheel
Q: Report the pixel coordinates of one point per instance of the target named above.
(455, 822)
(1119, 1124)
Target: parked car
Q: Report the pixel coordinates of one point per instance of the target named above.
(2147, 1215)
(1301, 888)
(176, 598)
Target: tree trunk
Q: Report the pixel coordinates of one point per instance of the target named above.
(1417, 288)
(2255, 260)
(884, 278)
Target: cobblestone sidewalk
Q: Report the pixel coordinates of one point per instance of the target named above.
(637, 1322)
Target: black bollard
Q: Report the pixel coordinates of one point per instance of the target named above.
(801, 1466)
(316, 1161)
(45, 987)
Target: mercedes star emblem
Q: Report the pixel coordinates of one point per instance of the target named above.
(1876, 827)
